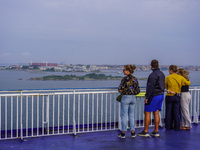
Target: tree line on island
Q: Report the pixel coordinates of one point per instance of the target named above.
(91, 76)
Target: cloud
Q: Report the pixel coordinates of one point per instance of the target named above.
(26, 54)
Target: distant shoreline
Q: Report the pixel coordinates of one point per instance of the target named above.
(91, 76)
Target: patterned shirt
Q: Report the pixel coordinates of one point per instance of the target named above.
(129, 80)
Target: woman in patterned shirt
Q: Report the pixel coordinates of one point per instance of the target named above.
(130, 86)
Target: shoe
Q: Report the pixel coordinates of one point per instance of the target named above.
(182, 128)
(122, 135)
(145, 134)
(156, 134)
(133, 134)
(185, 128)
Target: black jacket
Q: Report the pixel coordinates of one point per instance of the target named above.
(155, 84)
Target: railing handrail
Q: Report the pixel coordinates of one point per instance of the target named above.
(70, 89)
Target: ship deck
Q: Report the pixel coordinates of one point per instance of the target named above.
(108, 140)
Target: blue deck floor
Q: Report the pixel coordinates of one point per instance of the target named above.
(108, 140)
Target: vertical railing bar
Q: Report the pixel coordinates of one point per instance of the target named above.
(101, 111)
(83, 112)
(32, 115)
(135, 113)
(140, 116)
(198, 106)
(163, 109)
(58, 114)
(195, 108)
(92, 111)
(97, 112)
(11, 117)
(47, 114)
(53, 111)
(191, 106)
(106, 112)
(17, 127)
(110, 110)
(140, 113)
(119, 115)
(21, 119)
(68, 113)
(43, 115)
(151, 119)
(63, 113)
(114, 109)
(74, 121)
(88, 124)
(0, 117)
(6, 117)
(26, 116)
(37, 115)
(78, 112)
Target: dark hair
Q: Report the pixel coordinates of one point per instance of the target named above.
(154, 64)
(174, 68)
(130, 68)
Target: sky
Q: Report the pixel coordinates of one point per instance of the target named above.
(100, 31)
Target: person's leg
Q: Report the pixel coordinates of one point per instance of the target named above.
(176, 112)
(185, 100)
(124, 113)
(132, 113)
(168, 114)
(147, 120)
(156, 120)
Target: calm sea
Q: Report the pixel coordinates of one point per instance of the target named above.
(17, 80)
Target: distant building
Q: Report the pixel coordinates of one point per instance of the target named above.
(44, 64)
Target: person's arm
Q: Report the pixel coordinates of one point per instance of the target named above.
(170, 92)
(121, 86)
(175, 94)
(186, 82)
(150, 86)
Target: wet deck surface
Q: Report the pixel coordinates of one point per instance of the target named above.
(108, 140)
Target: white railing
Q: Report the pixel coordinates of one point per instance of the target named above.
(52, 112)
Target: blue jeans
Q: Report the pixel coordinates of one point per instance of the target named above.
(128, 110)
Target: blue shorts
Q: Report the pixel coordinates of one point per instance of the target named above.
(156, 104)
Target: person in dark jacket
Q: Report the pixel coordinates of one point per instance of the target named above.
(153, 98)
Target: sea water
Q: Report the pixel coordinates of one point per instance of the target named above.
(17, 80)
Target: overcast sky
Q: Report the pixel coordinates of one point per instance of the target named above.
(100, 31)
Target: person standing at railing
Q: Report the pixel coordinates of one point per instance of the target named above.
(130, 86)
(173, 82)
(153, 98)
(185, 101)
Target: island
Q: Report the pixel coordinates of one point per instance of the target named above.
(91, 76)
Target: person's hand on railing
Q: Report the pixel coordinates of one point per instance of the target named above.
(146, 101)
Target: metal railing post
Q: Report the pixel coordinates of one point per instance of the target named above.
(21, 136)
(119, 117)
(74, 121)
(195, 119)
